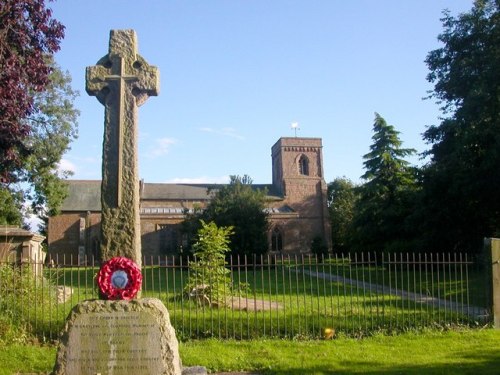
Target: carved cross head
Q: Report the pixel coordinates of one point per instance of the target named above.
(122, 72)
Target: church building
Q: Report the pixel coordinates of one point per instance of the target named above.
(296, 203)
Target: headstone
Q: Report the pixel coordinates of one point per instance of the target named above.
(118, 338)
(122, 81)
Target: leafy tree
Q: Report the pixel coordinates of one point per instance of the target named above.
(342, 195)
(209, 279)
(28, 33)
(53, 125)
(461, 180)
(10, 207)
(189, 228)
(242, 207)
(385, 199)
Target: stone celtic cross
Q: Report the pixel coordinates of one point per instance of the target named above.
(122, 81)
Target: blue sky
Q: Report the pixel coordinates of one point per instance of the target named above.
(235, 74)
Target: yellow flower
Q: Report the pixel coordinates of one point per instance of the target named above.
(328, 333)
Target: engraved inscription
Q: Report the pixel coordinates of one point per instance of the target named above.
(115, 343)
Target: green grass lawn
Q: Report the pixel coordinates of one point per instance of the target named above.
(458, 282)
(444, 276)
(451, 352)
(307, 304)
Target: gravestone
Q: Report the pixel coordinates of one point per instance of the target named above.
(118, 337)
(122, 81)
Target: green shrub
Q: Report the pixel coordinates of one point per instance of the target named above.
(209, 279)
(11, 333)
(25, 299)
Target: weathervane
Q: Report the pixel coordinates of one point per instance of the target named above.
(295, 127)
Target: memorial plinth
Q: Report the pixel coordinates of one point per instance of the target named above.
(118, 338)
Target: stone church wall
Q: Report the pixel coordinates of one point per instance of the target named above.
(298, 205)
(70, 232)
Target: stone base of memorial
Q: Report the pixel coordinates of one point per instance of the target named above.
(118, 338)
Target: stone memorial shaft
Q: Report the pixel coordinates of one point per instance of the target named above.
(119, 337)
(122, 81)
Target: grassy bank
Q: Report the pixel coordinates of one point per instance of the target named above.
(467, 352)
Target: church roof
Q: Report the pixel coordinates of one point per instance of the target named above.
(159, 191)
(85, 195)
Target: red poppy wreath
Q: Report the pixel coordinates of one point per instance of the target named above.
(119, 278)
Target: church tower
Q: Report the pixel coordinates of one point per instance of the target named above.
(298, 178)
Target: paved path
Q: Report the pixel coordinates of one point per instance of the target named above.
(475, 312)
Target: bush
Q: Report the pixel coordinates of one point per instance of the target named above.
(209, 279)
(24, 298)
(12, 333)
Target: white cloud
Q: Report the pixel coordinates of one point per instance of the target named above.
(200, 180)
(64, 166)
(226, 132)
(90, 159)
(161, 147)
(34, 222)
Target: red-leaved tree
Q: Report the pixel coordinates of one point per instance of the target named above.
(28, 33)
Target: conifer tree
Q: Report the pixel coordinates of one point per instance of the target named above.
(385, 199)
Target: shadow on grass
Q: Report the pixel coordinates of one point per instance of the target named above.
(462, 363)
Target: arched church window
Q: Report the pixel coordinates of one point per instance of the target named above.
(276, 240)
(303, 165)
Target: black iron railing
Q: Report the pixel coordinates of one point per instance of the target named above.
(296, 296)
